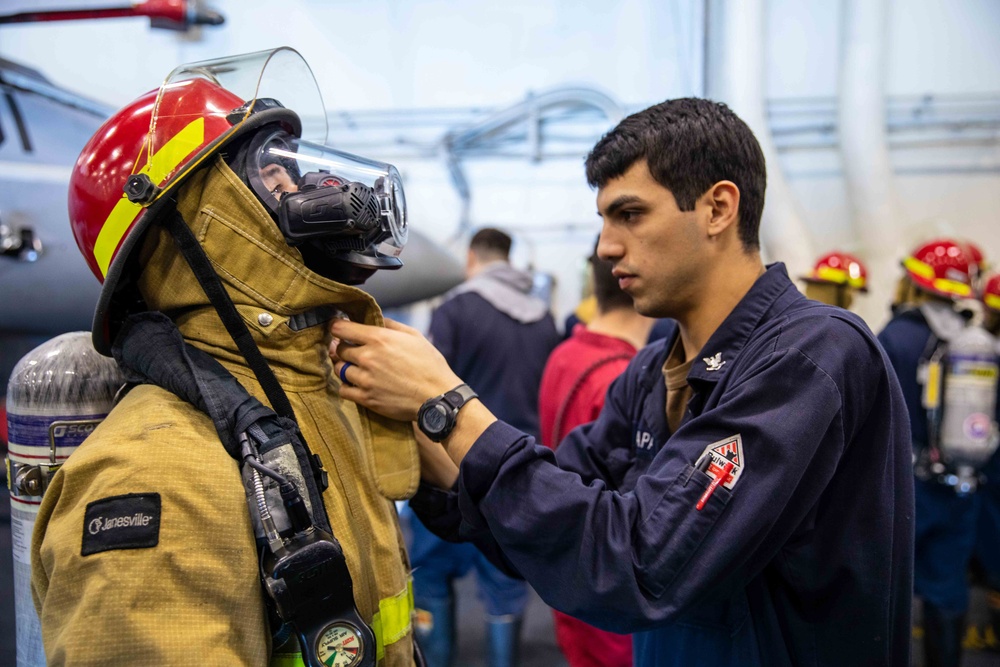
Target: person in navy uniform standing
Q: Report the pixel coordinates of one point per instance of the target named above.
(936, 274)
(760, 513)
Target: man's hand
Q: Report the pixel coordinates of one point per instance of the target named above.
(392, 370)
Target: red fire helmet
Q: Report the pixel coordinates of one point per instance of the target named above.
(839, 268)
(941, 267)
(991, 292)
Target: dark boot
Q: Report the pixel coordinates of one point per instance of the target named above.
(943, 633)
(503, 639)
(992, 631)
(434, 630)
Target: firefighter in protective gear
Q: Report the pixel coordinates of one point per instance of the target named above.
(835, 278)
(988, 531)
(938, 269)
(168, 568)
(937, 275)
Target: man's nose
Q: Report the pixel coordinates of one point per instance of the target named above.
(608, 248)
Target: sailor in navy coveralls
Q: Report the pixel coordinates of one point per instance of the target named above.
(758, 513)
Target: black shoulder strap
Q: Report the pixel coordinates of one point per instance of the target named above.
(196, 258)
(150, 350)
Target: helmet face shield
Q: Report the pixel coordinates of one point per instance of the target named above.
(239, 86)
(351, 207)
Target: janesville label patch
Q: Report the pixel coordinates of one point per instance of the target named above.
(727, 450)
(131, 521)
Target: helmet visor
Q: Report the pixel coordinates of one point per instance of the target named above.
(201, 103)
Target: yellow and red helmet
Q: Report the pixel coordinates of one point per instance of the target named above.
(991, 292)
(941, 267)
(154, 142)
(839, 268)
(142, 153)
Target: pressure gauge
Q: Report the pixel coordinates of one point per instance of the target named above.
(340, 645)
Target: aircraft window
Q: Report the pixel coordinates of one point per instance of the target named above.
(22, 129)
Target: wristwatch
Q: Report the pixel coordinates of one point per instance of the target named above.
(437, 415)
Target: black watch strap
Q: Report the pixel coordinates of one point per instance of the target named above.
(459, 396)
(437, 415)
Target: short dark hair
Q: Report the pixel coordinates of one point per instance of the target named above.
(490, 243)
(608, 293)
(690, 144)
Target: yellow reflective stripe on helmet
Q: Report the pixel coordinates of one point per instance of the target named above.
(287, 660)
(160, 164)
(992, 300)
(952, 287)
(831, 274)
(392, 620)
(922, 269)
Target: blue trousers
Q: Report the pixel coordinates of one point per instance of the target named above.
(945, 536)
(436, 564)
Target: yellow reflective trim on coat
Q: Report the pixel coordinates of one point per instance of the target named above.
(992, 300)
(286, 660)
(161, 163)
(393, 620)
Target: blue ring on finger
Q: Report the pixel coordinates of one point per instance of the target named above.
(343, 377)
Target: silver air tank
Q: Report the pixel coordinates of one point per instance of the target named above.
(968, 428)
(57, 394)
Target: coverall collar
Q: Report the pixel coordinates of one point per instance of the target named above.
(712, 362)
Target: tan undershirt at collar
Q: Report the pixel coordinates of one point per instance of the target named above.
(675, 372)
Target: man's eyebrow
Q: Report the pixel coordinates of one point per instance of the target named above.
(619, 203)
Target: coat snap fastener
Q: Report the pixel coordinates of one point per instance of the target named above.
(265, 319)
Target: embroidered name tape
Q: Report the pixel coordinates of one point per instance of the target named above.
(131, 521)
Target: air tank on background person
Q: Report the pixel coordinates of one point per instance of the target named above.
(57, 394)
(969, 435)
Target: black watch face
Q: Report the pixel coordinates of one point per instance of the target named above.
(435, 419)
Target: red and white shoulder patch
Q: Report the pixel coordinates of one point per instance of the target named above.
(727, 450)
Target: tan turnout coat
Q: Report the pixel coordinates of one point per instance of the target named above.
(195, 597)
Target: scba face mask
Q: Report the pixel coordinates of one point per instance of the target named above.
(348, 208)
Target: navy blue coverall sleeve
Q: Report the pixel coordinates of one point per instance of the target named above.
(628, 561)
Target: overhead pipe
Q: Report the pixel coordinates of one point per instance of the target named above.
(736, 42)
(861, 115)
(456, 143)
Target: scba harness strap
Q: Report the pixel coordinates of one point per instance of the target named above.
(303, 569)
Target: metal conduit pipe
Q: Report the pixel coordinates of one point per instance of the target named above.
(740, 46)
(861, 116)
(492, 129)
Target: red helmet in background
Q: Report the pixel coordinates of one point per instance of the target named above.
(976, 255)
(839, 268)
(991, 292)
(941, 267)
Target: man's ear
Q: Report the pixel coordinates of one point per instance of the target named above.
(723, 202)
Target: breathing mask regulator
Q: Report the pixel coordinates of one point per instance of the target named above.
(337, 208)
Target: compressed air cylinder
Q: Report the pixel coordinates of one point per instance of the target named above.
(57, 394)
(968, 429)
